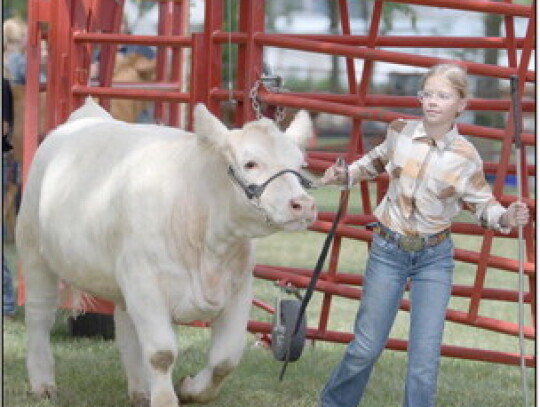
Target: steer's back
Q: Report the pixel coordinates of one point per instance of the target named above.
(78, 209)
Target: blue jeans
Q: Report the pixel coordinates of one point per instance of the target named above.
(8, 295)
(387, 271)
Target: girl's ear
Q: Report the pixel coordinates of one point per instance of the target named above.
(462, 105)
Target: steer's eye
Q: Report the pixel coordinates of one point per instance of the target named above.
(250, 165)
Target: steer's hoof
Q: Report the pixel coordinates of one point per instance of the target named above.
(139, 399)
(184, 396)
(45, 391)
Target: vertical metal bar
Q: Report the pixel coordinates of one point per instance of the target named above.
(213, 22)
(32, 102)
(355, 135)
(336, 246)
(106, 18)
(162, 57)
(31, 116)
(363, 90)
(199, 82)
(528, 230)
(180, 18)
(516, 120)
(346, 30)
(52, 66)
(511, 42)
(528, 48)
(251, 21)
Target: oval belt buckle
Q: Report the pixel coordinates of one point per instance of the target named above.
(411, 243)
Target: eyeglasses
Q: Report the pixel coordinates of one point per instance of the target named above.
(428, 94)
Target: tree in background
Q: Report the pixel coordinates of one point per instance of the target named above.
(12, 8)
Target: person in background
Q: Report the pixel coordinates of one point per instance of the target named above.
(14, 46)
(8, 294)
(434, 171)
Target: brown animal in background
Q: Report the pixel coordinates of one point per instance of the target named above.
(133, 67)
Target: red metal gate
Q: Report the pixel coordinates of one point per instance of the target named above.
(72, 28)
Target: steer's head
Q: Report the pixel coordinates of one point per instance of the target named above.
(255, 154)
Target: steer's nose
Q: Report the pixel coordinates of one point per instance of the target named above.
(303, 207)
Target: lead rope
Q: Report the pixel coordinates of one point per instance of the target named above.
(521, 301)
(316, 271)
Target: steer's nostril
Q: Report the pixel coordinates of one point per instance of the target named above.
(303, 206)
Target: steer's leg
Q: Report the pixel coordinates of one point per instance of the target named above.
(148, 311)
(132, 358)
(40, 309)
(228, 339)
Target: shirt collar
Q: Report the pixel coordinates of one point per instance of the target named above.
(442, 143)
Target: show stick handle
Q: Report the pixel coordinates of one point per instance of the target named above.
(516, 109)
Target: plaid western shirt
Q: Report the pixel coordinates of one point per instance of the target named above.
(430, 181)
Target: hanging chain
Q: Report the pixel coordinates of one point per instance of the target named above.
(256, 106)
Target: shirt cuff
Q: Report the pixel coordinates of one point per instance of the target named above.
(351, 170)
(500, 228)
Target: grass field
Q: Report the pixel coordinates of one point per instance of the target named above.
(89, 373)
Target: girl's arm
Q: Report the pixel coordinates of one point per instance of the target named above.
(369, 166)
(479, 199)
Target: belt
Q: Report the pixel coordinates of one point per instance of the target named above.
(411, 243)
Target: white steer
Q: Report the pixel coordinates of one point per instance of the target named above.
(161, 222)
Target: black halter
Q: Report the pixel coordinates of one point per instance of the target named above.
(256, 190)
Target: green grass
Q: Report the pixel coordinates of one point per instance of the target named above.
(89, 373)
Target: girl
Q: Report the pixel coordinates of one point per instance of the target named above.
(433, 171)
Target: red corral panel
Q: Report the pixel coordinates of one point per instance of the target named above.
(73, 30)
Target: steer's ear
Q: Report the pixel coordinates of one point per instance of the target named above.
(209, 127)
(300, 129)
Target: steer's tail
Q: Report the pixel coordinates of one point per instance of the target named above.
(79, 302)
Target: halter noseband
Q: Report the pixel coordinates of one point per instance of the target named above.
(256, 190)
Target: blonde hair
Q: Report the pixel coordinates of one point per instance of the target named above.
(455, 74)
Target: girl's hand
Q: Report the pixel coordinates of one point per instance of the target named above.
(335, 175)
(516, 214)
